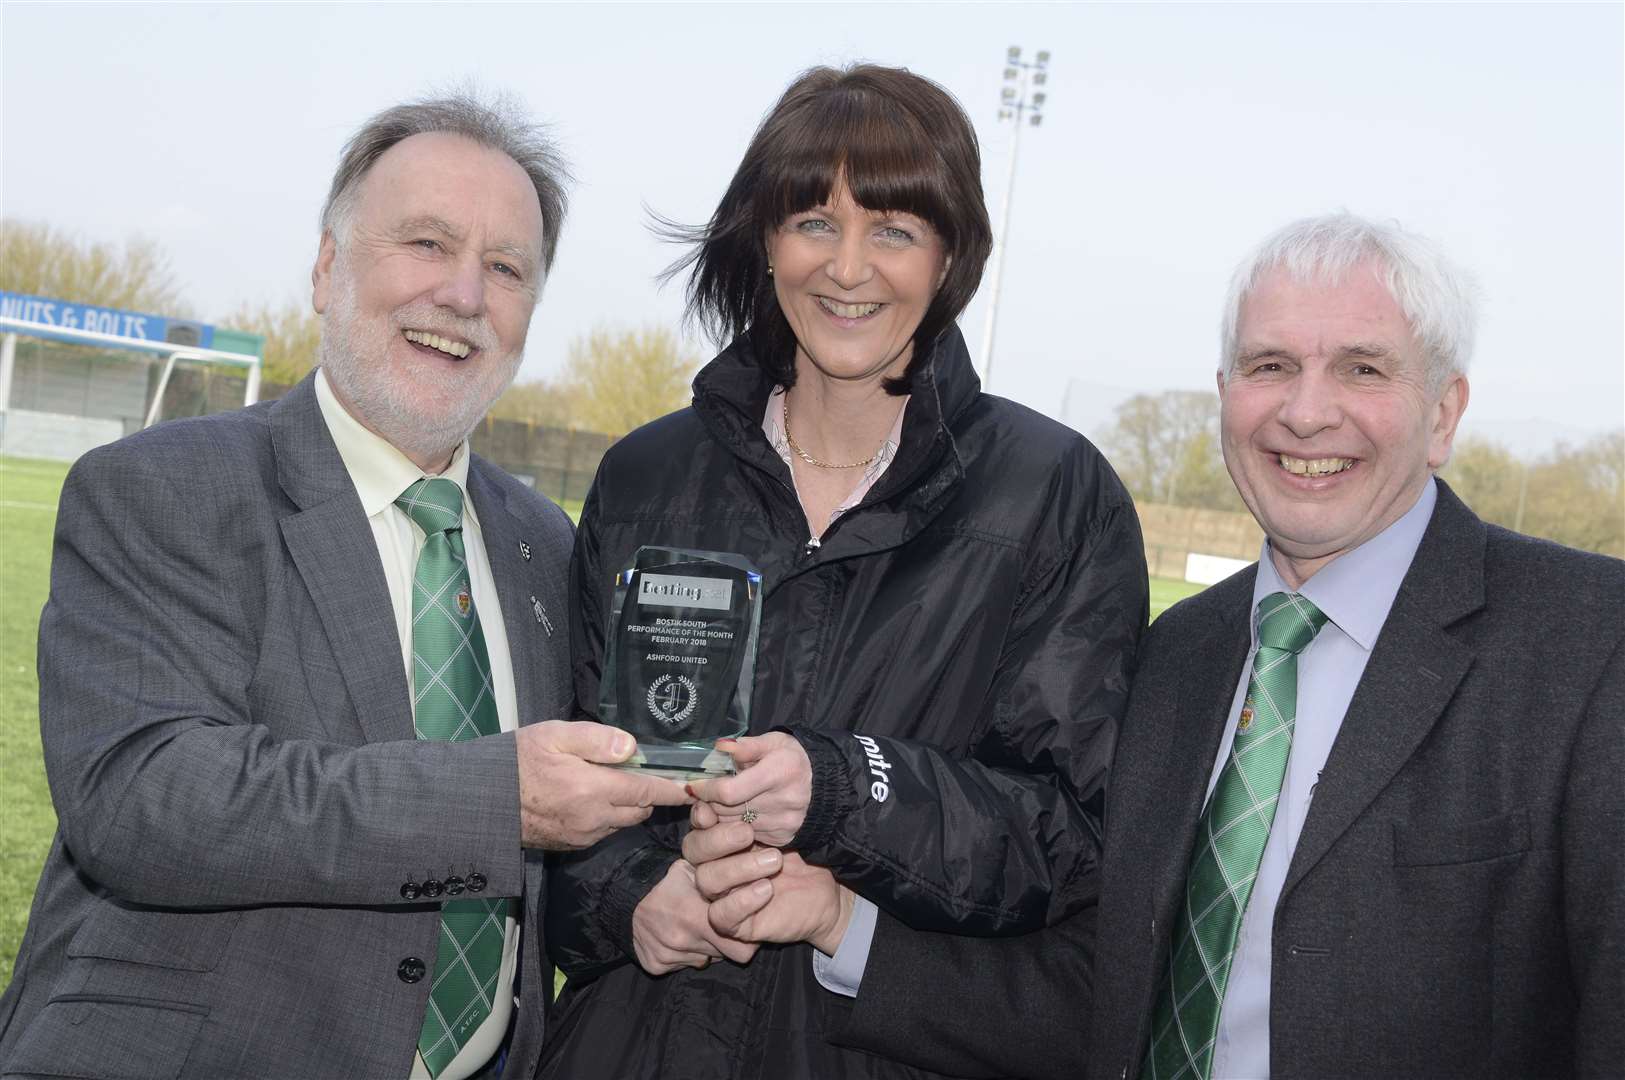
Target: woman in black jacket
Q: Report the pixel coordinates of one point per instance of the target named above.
(954, 587)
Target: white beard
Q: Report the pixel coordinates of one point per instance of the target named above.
(427, 413)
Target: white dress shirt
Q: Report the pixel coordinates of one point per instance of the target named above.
(380, 473)
(1355, 592)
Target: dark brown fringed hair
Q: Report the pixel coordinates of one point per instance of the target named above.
(899, 141)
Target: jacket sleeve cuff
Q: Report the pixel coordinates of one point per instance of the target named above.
(833, 793)
(638, 873)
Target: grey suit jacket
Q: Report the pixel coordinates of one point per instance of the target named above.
(1455, 906)
(228, 738)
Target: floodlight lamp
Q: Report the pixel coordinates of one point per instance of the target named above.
(1039, 99)
(1037, 119)
(1010, 73)
(1014, 53)
(1043, 56)
(1009, 93)
(1004, 114)
(1040, 79)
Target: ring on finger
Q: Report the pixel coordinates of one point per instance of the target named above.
(749, 815)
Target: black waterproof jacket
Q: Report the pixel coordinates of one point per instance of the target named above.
(976, 615)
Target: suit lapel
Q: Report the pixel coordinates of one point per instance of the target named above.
(1176, 719)
(1413, 673)
(529, 590)
(332, 547)
(1205, 693)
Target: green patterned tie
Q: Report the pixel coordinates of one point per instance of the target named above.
(1229, 844)
(452, 699)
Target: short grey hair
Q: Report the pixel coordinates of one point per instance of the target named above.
(1438, 298)
(500, 125)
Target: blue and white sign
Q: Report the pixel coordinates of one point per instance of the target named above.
(132, 324)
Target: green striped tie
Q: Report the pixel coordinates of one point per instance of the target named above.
(452, 699)
(1229, 844)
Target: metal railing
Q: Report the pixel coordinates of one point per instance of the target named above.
(14, 327)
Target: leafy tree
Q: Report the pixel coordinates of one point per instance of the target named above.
(1489, 478)
(536, 401)
(41, 260)
(616, 380)
(292, 333)
(1166, 448)
(1200, 478)
(1573, 495)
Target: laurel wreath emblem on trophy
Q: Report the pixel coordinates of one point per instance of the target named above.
(672, 698)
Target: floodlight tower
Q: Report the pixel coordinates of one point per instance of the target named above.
(1018, 105)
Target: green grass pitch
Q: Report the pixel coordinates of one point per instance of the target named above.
(28, 493)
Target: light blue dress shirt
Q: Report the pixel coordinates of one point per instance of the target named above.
(1355, 591)
(843, 972)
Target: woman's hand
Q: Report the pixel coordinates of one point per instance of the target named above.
(774, 781)
(761, 894)
(799, 903)
(671, 927)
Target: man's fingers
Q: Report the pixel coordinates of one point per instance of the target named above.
(651, 791)
(621, 817)
(730, 915)
(702, 816)
(716, 879)
(703, 845)
(587, 740)
(706, 790)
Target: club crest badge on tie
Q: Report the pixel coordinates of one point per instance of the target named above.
(465, 600)
(1246, 720)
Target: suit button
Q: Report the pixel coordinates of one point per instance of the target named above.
(432, 888)
(410, 891)
(476, 882)
(411, 970)
(454, 885)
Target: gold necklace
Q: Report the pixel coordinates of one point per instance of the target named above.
(808, 458)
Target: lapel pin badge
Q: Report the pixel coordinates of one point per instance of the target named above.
(524, 551)
(541, 615)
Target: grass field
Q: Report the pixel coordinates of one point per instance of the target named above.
(28, 491)
(1166, 592)
(28, 494)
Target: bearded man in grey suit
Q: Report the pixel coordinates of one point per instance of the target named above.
(1367, 817)
(296, 669)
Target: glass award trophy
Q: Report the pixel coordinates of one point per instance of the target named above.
(680, 658)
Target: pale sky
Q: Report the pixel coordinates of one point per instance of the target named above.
(1175, 137)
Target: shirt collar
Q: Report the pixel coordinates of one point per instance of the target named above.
(378, 470)
(773, 428)
(1356, 590)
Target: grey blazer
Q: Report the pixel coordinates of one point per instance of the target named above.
(1455, 906)
(228, 739)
